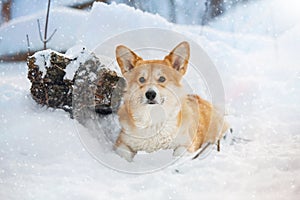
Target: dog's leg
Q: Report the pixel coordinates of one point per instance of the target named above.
(124, 150)
(179, 151)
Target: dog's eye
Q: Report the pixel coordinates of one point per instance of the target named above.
(162, 79)
(142, 80)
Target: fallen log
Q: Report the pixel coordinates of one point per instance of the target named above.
(79, 84)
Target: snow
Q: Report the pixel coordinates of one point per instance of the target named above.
(42, 157)
(13, 34)
(42, 60)
(278, 17)
(81, 54)
(21, 8)
(186, 12)
(77, 28)
(77, 54)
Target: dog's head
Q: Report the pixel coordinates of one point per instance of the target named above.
(153, 81)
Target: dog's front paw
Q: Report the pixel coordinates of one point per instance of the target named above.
(125, 152)
(179, 151)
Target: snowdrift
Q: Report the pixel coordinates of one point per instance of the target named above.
(75, 27)
(41, 156)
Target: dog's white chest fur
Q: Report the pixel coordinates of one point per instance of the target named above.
(156, 130)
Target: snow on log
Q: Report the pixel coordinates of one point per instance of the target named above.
(74, 83)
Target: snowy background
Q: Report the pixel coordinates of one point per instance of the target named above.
(255, 48)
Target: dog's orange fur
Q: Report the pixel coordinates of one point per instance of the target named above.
(189, 122)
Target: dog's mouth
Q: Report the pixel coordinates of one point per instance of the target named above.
(151, 102)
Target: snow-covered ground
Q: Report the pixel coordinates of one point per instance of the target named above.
(257, 56)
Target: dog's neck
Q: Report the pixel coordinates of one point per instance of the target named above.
(154, 116)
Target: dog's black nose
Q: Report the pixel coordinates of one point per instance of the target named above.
(150, 94)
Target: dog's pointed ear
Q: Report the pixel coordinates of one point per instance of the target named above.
(126, 58)
(179, 57)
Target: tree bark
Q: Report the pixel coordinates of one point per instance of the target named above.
(86, 4)
(6, 11)
(172, 11)
(216, 8)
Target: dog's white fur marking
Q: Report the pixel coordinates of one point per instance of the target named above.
(156, 129)
(125, 152)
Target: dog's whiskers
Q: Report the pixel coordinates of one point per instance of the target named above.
(163, 99)
(141, 99)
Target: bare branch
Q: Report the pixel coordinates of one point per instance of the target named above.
(45, 39)
(51, 35)
(28, 45)
(46, 25)
(40, 31)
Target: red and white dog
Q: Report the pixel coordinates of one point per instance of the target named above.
(157, 113)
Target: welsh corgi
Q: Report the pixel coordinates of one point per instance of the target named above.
(157, 113)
